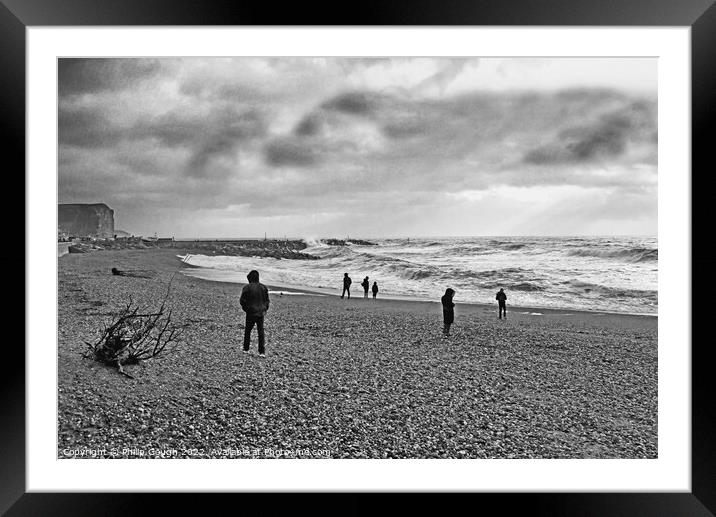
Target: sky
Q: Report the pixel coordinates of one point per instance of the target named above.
(362, 147)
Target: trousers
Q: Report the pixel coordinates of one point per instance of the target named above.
(502, 309)
(250, 322)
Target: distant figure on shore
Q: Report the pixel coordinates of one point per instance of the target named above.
(117, 272)
(366, 285)
(448, 310)
(375, 289)
(346, 285)
(501, 298)
(255, 302)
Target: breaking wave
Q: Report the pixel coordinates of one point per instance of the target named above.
(604, 274)
(631, 255)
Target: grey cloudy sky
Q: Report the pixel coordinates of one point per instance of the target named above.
(319, 147)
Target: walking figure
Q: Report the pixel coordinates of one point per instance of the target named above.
(346, 285)
(375, 289)
(501, 298)
(366, 285)
(448, 310)
(255, 302)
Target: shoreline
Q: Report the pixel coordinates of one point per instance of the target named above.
(308, 291)
(352, 378)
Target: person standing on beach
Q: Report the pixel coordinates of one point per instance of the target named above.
(448, 310)
(255, 302)
(501, 298)
(366, 285)
(346, 285)
(375, 289)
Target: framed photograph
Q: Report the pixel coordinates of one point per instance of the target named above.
(417, 250)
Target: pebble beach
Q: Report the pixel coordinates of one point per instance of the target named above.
(347, 378)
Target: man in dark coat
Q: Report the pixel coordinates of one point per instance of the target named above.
(501, 298)
(366, 286)
(346, 285)
(255, 302)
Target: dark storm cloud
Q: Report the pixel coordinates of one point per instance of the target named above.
(91, 127)
(600, 95)
(355, 103)
(487, 132)
(223, 137)
(408, 128)
(171, 129)
(208, 137)
(213, 148)
(222, 123)
(463, 118)
(76, 76)
(289, 152)
(85, 127)
(309, 126)
(607, 138)
(393, 115)
(404, 119)
(135, 179)
(203, 136)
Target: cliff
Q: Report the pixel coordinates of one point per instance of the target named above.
(86, 220)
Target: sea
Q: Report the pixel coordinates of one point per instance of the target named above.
(600, 274)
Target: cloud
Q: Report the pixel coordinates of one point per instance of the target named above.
(406, 128)
(310, 125)
(474, 141)
(291, 152)
(606, 138)
(352, 136)
(214, 135)
(496, 137)
(221, 139)
(448, 70)
(354, 103)
(86, 127)
(93, 75)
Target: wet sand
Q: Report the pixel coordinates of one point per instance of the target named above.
(349, 378)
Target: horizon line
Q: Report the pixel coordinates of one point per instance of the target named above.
(399, 236)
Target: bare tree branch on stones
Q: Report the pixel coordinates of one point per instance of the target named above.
(134, 335)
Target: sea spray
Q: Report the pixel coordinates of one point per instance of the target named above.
(615, 274)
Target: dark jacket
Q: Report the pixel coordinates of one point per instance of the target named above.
(448, 307)
(375, 287)
(254, 297)
(366, 284)
(501, 297)
(347, 281)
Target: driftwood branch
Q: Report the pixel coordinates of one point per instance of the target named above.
(135, 335)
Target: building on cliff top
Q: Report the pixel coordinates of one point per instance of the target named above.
(85, 220)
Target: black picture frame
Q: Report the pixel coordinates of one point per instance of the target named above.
(17, 15)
